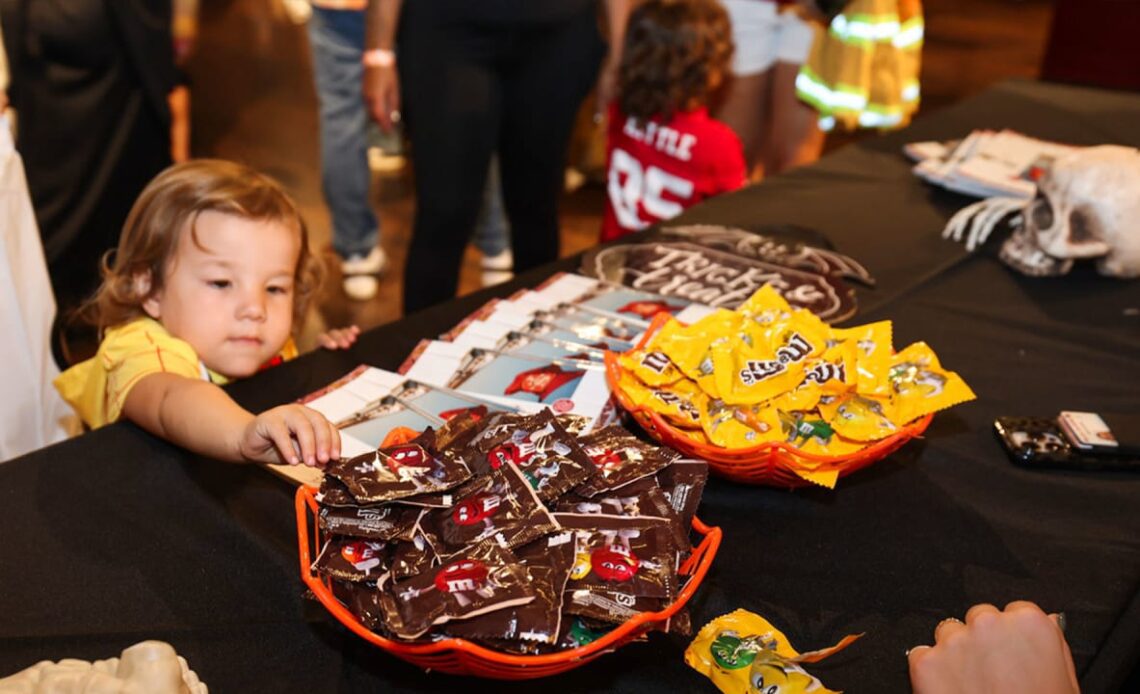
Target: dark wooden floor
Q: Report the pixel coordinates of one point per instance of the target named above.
(253, 101)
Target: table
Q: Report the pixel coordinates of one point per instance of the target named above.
(117, 536)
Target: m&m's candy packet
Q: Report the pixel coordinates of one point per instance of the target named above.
(770, 374)
(741, 652)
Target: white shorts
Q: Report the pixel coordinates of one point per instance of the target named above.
(765, 36)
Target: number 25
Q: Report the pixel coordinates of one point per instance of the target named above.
(644, 186)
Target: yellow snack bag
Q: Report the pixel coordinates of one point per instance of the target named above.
(863, 419)
(810, 433)
(682, 404)
(920, 385)
(733, 427)
(873, 350)
(779, 332)
(695, 435)
(741, 652)
(799, 427)
(824, 478)
(805, 397)
(828, 377)
(765, 306)
(749, 375)
(687, 346)
(837, 370)
(651, 368)
(836, 446)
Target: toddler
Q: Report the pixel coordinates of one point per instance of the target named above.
(212, 269)
(664, 152)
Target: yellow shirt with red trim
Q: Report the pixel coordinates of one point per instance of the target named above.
(98, 387)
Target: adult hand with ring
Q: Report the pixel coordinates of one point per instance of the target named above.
(1018, 649)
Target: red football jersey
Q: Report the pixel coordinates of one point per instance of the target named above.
(656, 170)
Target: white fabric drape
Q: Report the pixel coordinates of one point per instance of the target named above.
(32, 414)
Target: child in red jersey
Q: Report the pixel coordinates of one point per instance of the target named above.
(663, 151)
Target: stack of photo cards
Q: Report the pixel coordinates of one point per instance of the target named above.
(543, 346)
(538, 349)
(987, 163)
(369, 406)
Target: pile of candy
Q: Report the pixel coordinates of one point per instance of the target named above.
(767, 373)
(510, 531)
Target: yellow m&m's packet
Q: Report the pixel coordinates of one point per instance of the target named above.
(651, 368)
(920, 385)
(742, 652)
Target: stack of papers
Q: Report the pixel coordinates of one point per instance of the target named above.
(987, 163)
(538, 349)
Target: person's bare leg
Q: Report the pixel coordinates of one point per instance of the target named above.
(745, 110)
(794, 138)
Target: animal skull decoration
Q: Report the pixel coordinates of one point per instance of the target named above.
(148, 667)
(1087, 206)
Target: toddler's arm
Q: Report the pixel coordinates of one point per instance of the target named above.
(201, 417)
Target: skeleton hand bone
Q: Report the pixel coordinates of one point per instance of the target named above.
(976, 222)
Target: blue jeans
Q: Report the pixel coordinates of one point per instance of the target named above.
(337, 41)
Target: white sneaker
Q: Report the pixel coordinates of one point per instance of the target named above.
(502, 261)
(361, 274)
(380, 161)
(498, 268)
(493, 277)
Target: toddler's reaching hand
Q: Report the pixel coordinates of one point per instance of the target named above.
(291, 434)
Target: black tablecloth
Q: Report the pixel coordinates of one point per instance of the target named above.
(117, 536)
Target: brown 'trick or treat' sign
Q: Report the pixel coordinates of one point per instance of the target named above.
(717, 278)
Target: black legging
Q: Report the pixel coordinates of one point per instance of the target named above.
(472, 86)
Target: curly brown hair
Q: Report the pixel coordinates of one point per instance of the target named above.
(167, 208)
(675, 51)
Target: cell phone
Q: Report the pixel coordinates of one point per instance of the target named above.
(1041, 442)
(1107, 433)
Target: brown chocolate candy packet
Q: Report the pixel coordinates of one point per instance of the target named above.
(461, 427)
(578, 631)
(683, 483)
(574, 632)
(550, 459)
(497, 426)
(620, 458)
(507, 511)
(400, 471)
(362, 600)
(447, 499)
(413, 558)
(611, 607)
(643, 497)
(353, 559)
(574, 424)
(622, 557)
(547, 563)
(386, 522)
(333, 492)
(475, 582)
